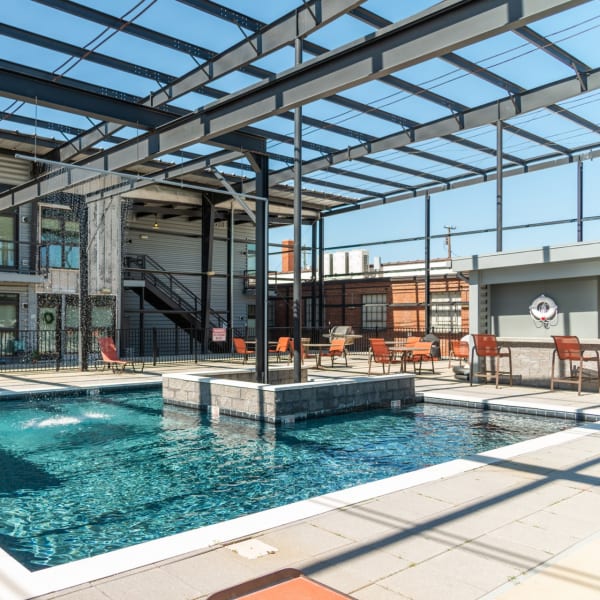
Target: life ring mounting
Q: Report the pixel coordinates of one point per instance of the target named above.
(543, 310)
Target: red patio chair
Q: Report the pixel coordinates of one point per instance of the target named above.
(239, 347)
(380, 353)
(460, 350)
(336, 349)
(303, 353)
(420, 351)
(568, 347)
(485, 345)
(283, 347)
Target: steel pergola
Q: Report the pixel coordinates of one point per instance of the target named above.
(75, 90)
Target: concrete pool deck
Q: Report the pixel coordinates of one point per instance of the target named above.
(519, 522)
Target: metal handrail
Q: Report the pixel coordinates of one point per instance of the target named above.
(152, 272)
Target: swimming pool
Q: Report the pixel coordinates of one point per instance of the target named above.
(85, 475)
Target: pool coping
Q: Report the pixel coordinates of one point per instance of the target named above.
(539, 409)
(19, 583)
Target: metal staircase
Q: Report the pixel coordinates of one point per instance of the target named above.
(166, 293)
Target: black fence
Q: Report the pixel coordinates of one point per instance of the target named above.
(59, 349)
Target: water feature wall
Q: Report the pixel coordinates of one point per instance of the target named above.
(234, 393)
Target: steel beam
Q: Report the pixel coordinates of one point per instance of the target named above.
(475, 117)
(586, 153)
(58, 95)
(395, 47)
(453, 25)
(300, 22)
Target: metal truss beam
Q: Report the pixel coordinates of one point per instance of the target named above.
(286, 25)
(81, 53)
(60, 95)
(453, 25)
(542, 163)
(496, 80)
(475, 117)
(272, 37)
(431, 34)
(513, 88)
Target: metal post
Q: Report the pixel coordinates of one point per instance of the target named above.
(499, 192)
(321, 273)
(297, 288)
(313, 278)
(427, 263)
(230, 267)
(580, 201)
(208, 230)
(261, 165)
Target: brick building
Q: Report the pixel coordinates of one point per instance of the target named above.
(383, 297)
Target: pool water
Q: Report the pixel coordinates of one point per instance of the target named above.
(81, 476)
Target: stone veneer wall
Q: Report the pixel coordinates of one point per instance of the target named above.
(285, 402)
(532, 363)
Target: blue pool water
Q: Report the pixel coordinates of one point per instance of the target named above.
(85, 475)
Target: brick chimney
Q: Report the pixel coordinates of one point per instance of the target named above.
(287, 256)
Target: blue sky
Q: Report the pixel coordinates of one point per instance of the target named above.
(544, 195)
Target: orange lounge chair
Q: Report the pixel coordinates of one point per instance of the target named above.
(380, 353)
(287, 584)
(239, 347)
(110, 357)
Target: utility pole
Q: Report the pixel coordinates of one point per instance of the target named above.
(449, 228)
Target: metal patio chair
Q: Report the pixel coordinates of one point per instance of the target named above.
(568, 348)
(239, 347)
(486, 346)
(380, 353)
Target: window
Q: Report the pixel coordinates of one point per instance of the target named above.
(446, 311)
(374, 311)
(7, 241)
(9, 318)
(251, 258)
(59, 239)
(308, 312)
(250, 272)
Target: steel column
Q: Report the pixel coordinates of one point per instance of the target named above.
(427, 263)
(580, 201)
(230, 268)
(297, 286)
(321, 273)
(208, 242)
(313, 278)
(260, 164)
(499, 192)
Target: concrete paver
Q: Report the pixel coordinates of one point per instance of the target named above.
(524, 527)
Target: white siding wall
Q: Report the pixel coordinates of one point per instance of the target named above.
(176, 251)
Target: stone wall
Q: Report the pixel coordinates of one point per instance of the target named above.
(285, 402)
(532, 363)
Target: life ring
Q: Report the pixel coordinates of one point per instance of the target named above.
(543, 309)
(48, 318)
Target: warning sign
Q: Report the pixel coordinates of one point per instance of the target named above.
(219, 334)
